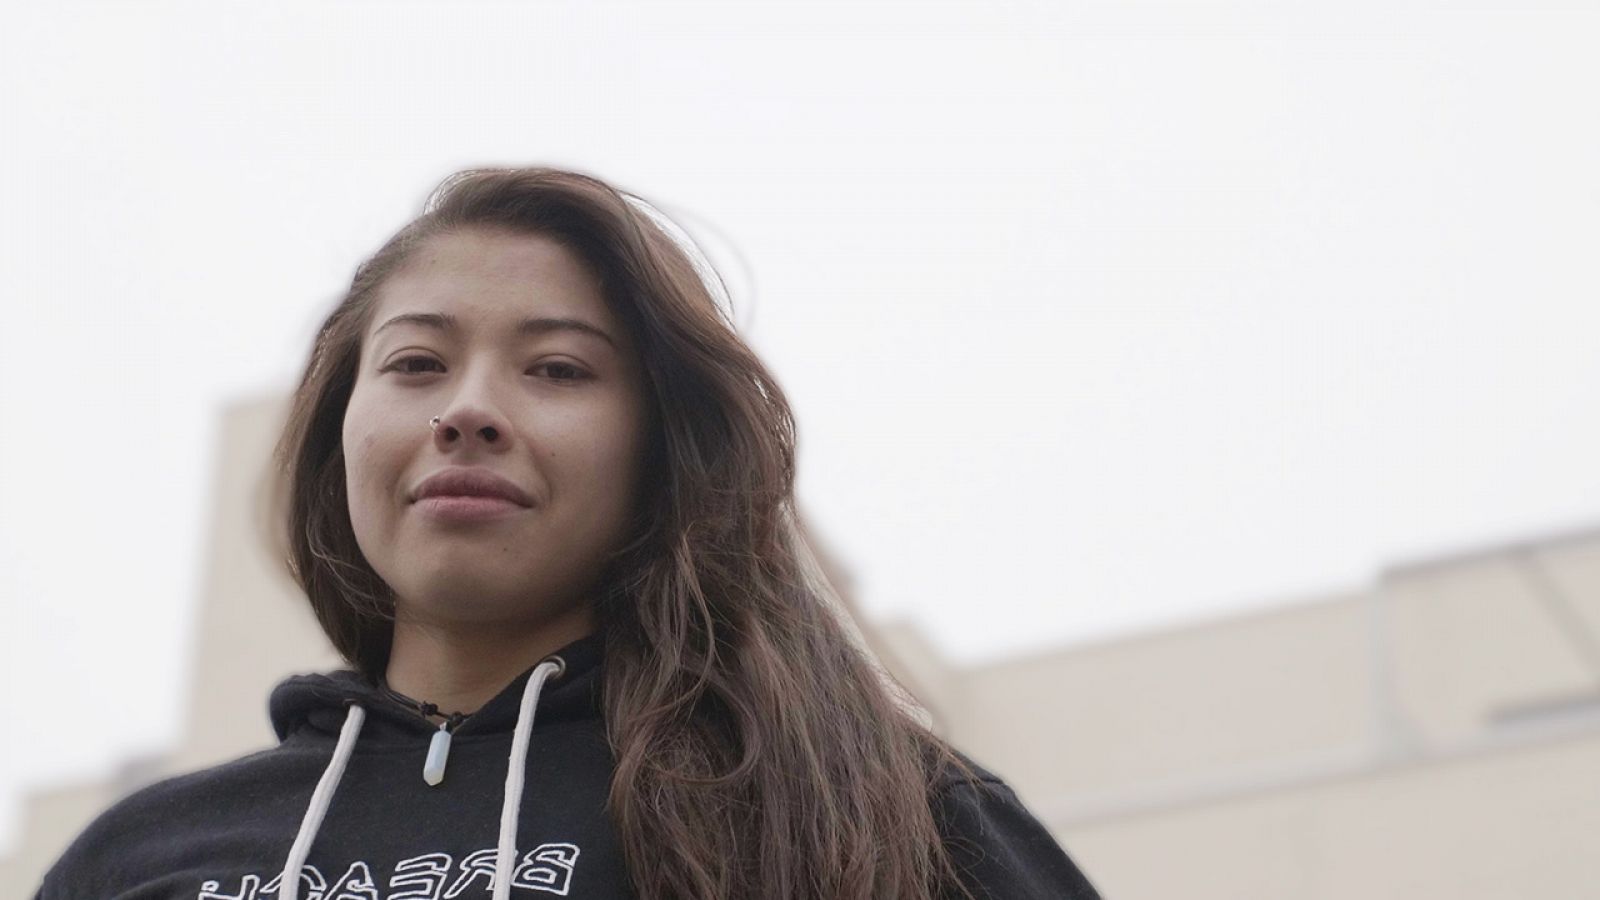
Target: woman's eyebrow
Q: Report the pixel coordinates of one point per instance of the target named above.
(533, 325)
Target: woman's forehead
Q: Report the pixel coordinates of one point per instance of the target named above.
(491, 249)
(506, 282)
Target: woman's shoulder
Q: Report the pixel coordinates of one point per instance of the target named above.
(151, 822)
(1001, 848)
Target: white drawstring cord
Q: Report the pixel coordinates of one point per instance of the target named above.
(506, 857)
(289, 881)
(505, 862)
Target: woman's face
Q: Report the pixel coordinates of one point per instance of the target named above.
(507, 339)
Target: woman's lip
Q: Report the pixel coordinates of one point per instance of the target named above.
(475, 481)
(466, 507)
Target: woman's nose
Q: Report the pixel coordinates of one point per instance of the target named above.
(478, 423)
(472, 410)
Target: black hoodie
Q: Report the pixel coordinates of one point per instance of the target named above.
(228, 832)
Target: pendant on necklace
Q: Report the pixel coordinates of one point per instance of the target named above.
(438, 755)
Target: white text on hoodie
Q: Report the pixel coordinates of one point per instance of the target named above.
(546, 868)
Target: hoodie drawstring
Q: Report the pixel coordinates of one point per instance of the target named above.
(289, 882)
(506, 855)
(505, 862)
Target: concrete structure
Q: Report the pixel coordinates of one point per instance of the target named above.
(1436, 735)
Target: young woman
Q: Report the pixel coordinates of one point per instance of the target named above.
(541, 497)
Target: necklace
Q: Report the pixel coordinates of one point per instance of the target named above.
(439, 747)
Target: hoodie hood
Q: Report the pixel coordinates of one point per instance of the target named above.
(316, 704)
(344, 702)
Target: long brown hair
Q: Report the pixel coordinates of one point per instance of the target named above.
(759, 750)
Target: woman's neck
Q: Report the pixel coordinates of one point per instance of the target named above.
(459, 668)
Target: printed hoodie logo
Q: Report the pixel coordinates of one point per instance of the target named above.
(546, 868)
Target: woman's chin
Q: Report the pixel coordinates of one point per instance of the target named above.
(462, 601)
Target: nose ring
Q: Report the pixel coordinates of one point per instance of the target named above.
(433, 424)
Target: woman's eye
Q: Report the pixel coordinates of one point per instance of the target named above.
(404, 364)
(560, 371)
(418, 365)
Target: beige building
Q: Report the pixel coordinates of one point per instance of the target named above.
(1435, 735)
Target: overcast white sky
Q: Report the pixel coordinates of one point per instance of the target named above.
(1096, 318)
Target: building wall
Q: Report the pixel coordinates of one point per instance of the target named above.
(1434, 734)
(1493, 824)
